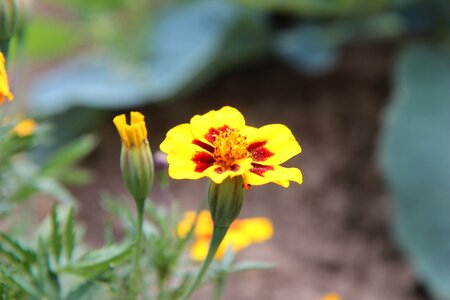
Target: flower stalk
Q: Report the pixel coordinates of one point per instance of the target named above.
(136, 164)
(217, 237)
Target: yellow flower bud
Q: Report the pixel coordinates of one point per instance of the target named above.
(136, 161)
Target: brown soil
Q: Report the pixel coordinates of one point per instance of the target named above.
(331, 232)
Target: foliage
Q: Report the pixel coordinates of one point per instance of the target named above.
(22, 178)
(414, 156)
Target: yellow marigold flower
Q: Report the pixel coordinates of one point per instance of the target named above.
(25, 128)
(241, 234)
(220, 145)
(331, 296)
(4, 84)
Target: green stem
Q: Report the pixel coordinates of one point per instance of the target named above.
(4, 48)
(136, 272)
(217, 237)
(220, 284)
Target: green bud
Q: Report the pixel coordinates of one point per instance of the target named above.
(136, 164)
(9, 15)
(225, 201)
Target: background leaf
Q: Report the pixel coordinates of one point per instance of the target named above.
(414, 157)
(180, 54)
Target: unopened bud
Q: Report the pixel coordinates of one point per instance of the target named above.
(225, 201)
(9, 15)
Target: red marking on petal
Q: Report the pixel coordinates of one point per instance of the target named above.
(235, 167)
(219, 170)
(205, 146)
(212, 132)
(260, 169)
(258, 151)
(203, 161)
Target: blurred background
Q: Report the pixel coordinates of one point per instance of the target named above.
(363, 85)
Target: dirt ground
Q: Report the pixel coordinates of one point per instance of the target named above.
(332, 232)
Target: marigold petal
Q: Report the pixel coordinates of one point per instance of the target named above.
(279, 175)
(279, 141)
(4, 83)
(218, 174)
(181, 165)
(205, 225)
(184, 226)
(178, 136)
(199, 249)
(226, 116)
(203, 228)
(235, 240)
(257, 229)
(135, 133)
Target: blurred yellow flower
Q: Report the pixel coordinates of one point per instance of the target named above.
(220, 145)
(133, 134)
(241, 234)
(25, 128)
(4, 84)
(331, 296)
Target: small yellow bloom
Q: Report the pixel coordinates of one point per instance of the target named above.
(241, 234)
(25, 128)
(220, 145)
(331, 296)
(136, 161)
(133, 134)
(4, 83)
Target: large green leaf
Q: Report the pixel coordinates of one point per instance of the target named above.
(190, 43)
(414, 155)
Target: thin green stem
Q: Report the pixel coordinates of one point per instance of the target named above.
(220, 284)
(217, 237)
(136, 272)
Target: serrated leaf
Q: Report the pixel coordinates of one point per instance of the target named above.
(94, 262)
(55, 235)
(69, 235)
(48, 281)
(20, 283)
(26, 253)
(415, 161)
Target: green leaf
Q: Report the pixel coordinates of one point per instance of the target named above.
(48, 281)
(416, 163)
(68, 155)
(189, 45)
(26, 253)
(20, 283)
(97, 261)
(55, 235)
(86, 291)
(69, 234)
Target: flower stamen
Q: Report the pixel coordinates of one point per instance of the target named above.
(229, 147)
